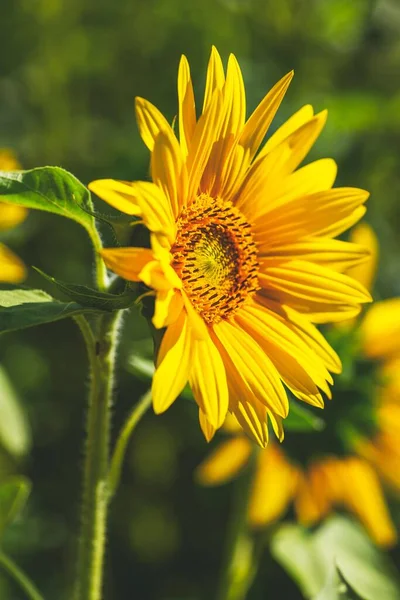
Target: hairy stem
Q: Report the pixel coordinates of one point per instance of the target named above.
(101, 347)
(100, 270)
(8, 565)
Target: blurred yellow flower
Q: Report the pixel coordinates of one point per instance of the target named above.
(324, 481)
(242, 256)
(12, 269)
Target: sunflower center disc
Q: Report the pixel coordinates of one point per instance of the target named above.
(215, 257)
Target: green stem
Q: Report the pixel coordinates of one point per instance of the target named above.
(101, 353)
(120, 448)
(100, 267)
(239, 569)
(24, 582)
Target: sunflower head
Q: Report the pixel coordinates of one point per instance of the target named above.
(243, 258)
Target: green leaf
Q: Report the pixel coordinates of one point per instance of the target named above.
(366, 568)
(302, 419)
(337, 562)
(292, 547)
(51, 189)
(21, 308)
(337, 588)
(15, 434)
(14, 493)
(92, 298)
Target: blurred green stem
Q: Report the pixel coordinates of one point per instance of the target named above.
(101, 347)
(17, 575)
(239, 568)
(120, 447)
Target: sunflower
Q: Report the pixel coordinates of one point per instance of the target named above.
(12, 269)
(242, 259)
(320, 471)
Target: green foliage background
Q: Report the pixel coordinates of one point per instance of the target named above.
(69, 71)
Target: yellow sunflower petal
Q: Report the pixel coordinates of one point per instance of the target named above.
(380, 329)
(116, 193)
(208, 381)
(262, 322)
(199, 328)
(294, 375)
(250, 196)
(154, 275)
(11, 215)
(363, 495)
(206, 427)
(168, 307)
(299, 118)
(187, 108)
(250, 413)
(243, 404)
(364, 235)
(127, 262)
(314, 339)
(270, 169)
(234, 79)
(334, 254)
(204, 137)
(12, 269)
(273, 487)
(150, 122)
(300, 141)
(225, 462)
(277, 425)
(317, 176)
(173, 364)
(258, 123)
(308, 287)
(344, 223)
(215, 78)
(316, 214)
(168, 170)
(234, 112)
(139, 198)
(253, 365)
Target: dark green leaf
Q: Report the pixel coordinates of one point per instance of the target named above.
(92, 298)
(14, 493)
(15, 435)
(51, 189)
(21, 308)
(302, 419)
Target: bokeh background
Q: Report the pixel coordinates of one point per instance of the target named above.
(69, 72)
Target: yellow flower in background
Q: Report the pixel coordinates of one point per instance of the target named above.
(12, 269)
(303, 472)
(242, 257)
